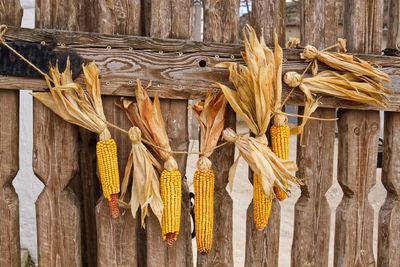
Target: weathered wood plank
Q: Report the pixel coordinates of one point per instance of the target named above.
(57, 208)
(180, 76)
(10, 13)
(358, 147)
(117, 239)
(310, 245)
(262, 247)
(393, 23)
(172, 19)
(268, 16)
(221, 24)
(389, 215)
(312, 212)
(9, 165)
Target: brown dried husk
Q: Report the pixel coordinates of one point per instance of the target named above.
(341, 85)
(74, 104)
(211, 116)
(141, 168)
(146, 115)
(256, 99)
(343, 62)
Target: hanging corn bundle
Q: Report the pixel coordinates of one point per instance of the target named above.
(255, 100)
(142, 167)
(343, 62)
(147, 116)
(210, 114)
(84, 108)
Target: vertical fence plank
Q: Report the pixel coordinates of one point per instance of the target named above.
(393, 23)
(172, 19)
(10, 14)
(358, 148)
(389, 215)
(221, 24)
(57, 208)
(117, 238)
(315, 153)
(268, 16)
(262, 247)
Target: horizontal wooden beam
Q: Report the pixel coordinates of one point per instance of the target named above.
(179, 69)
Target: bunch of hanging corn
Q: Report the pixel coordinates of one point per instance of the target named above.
(146, 115)
(257, 99)
(84, 108)
(210, 113)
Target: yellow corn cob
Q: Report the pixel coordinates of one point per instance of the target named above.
(171, 194)
(107, 159)
(204, 206)
(261, 204)
(280, 135)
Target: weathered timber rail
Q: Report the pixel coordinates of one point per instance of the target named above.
(179, 69)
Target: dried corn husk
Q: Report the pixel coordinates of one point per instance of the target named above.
(343, 62)
(72, 103)
(210, 114)
(142, 167)
(256, 99)
(293, 42)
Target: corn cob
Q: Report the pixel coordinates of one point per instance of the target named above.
(204, 204)
(280, 135)
(261, 203)
(171, 194)
(106, 151)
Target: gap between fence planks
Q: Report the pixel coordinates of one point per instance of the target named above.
(174, 75)
(11, 13)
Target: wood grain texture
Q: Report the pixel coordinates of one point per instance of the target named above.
(315, 151)
(57, 208)
(10, 14)
(172, 19)
(358, 148)
(9, 166)
(268, 16)
(393, 23)
(389, 215)
(116, 238)
(312, 211)
(174, 75)
(221, 24)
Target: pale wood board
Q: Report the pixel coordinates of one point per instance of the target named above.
(10, 13)
(389, 214)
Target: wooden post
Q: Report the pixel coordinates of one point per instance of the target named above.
(358, 148)
(172, 19)
(221, 24)
(389, 215)
(315, 152)
(10, 14)
(393, 23)
(56, 150)
(117, 238)
(262, 247)
(268, 16)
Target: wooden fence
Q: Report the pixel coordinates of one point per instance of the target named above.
(73, 224)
